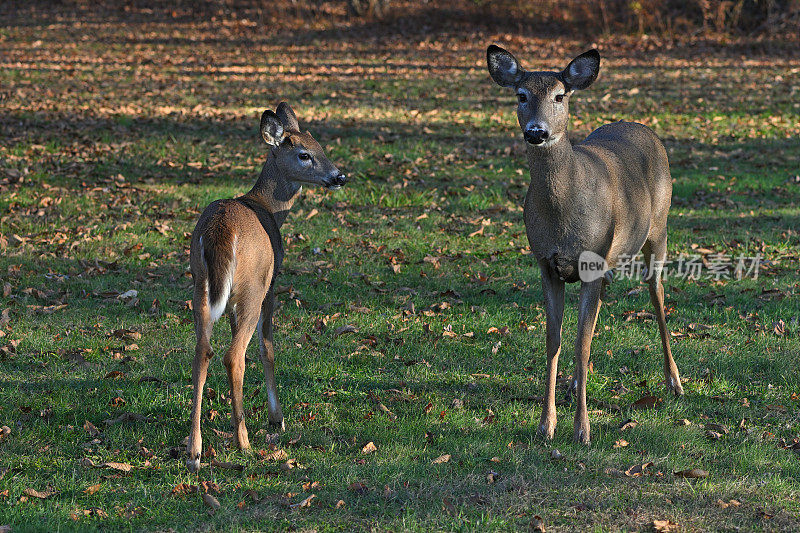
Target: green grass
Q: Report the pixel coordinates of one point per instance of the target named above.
(116, 168)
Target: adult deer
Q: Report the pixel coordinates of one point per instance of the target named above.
(608, 195)
(235, 253)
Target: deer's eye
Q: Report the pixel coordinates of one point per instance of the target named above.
(559, 98)
(522, 97)
(303, 156)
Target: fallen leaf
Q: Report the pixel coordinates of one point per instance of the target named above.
(358, 487)
(638, 470)
(211, 501)
(683, 422)
(369, 448)
(556, 455)
(664, 526)
(340, 504)
(341, 330)
(692, 473)
(628, 424)
(49, 491)
(646, 402)
(90, 428)
(308, 485)
(621, 443)
(183, 489)
(537, 524)
(92, 489)
(226, 465)
(277, 455)
(719, 428)
(305, 503)
(732, 503)
(122, 467)
(441, 459)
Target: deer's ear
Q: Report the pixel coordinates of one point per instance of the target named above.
(582, 71)
(504, 68)
(272, 130)
(287, 116)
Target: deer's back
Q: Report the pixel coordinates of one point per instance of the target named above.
(229, 234)
(635, 165)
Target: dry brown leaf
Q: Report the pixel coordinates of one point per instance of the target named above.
(226, 465)
(664, 526)
(305, 503)
(719, 428)
(692, 473)
(638, 470)
(211, 501)
(646, 402)
(341, 330)
(33, 493)
(92, 489)
(683, 422)
(369, 448)
(358, 487)
(441, 459)
(277, 455)
(621, 443)
(183, 488)
(122, 467)
(556, 455)
(628, 424)
(537, 524)
(732, 503)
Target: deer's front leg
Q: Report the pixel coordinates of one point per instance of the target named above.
(274, 412)
(587, 318)
(553, 289)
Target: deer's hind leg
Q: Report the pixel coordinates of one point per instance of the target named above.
(244, 315)
(203, 353)
(655, 254)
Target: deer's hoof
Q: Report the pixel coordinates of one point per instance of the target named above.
(547, 430)
(582, 435)
(193, 465)
(674, 384)
(280, 425)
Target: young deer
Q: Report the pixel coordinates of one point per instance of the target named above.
(608, 195)
(236, 251)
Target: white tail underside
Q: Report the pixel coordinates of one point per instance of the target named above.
(216, 309)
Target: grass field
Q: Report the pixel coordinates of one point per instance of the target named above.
(115, 134)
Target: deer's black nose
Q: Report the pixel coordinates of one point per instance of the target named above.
(536, 135)
(336, 181)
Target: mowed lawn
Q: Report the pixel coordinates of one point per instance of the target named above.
(115, 133)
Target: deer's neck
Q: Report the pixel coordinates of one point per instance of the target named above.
(552, 175)
(274, 192)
